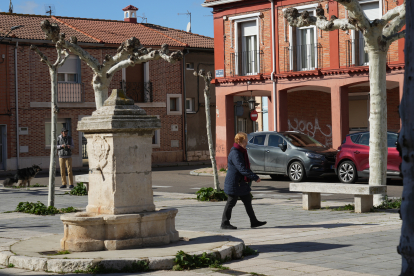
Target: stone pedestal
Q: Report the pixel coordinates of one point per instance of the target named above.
(120, 213)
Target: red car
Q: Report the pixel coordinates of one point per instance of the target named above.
(352, 160)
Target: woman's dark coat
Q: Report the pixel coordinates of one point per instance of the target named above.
(234, 183)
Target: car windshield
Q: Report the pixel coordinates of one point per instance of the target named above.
(302, 140)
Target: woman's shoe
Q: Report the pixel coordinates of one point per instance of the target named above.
(228, 226)
(258, 224)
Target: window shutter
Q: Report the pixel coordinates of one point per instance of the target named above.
(70, 65)
(249, 28)
(371, 10)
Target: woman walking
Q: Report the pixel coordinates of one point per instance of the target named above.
(238, 181)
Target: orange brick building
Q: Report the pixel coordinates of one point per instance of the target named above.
(156, 86)
(315, 82)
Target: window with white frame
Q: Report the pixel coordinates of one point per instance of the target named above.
(174, 104)
(189, 105)
(70, 70)
(247, 49)
(303, 44)
(372, 10)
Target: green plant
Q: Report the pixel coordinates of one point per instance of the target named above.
(40, 209)
(185, 261)
(38, 185)
(210, 194)
(63, 252)
(79, 190)
(389, 204)
(348, 207)
(10, 265)
(223, 170)
(249, 251)
(138, 266)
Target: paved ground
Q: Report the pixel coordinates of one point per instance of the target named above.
(294, 242)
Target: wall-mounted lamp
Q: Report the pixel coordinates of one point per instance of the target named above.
(11, 29)
(251, 101)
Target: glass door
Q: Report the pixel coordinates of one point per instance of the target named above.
(306, 49)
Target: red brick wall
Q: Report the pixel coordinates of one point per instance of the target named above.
(4, 86)
(310, 112)
(393, 115)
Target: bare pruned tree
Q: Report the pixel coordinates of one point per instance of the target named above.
(207, 81)
(129, 53)
(62, 55)
(378, 35)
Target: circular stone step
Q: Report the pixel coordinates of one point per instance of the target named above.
(37, 253)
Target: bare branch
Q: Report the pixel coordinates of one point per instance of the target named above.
(43, 58)
(51, 30)
(81, 53)
(395, 12)
(304, 19)
(355, 13)
(128, 48)
(144, 56)
(62, 60)
(397, 23)
(390, 39)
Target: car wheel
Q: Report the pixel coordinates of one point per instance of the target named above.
(276, 176)
(347, 172)
(297, 172)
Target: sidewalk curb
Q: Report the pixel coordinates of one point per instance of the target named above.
(200, 174)
(231, 250)
(86, 169)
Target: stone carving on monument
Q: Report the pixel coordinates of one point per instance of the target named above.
(121, 213)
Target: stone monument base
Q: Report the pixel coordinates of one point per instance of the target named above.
(89, 232)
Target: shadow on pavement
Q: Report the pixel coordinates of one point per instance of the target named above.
(328, 226)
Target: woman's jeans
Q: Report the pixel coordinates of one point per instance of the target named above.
(231, 202)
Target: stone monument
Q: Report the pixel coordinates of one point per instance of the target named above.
(121, 213)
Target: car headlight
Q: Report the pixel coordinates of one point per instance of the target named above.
(314, 155)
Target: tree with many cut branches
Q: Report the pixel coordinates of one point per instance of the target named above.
(129, 53)
(378, 34)
(62, 55)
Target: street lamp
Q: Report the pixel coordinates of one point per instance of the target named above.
(251, 101)
(11, 29)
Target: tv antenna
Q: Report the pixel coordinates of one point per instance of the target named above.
(50, 9)
(143, 18)
(189, 24)
(11, 7)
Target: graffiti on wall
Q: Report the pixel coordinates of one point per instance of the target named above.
(311, 129)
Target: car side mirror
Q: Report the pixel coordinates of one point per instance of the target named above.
(282, 147)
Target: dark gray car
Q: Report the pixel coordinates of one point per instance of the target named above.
(289, 153)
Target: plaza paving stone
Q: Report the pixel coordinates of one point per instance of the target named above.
(294, 241)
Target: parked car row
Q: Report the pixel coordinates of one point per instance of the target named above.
(300, 156)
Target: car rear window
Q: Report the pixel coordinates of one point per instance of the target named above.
(354, 138)
(364, 140)
(258, 140)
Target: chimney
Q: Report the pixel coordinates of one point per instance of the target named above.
(130, 14)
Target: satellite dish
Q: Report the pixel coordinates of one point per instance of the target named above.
(189, 27)
(50, 9)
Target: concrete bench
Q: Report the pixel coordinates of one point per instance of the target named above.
(311, 193)
(83, 178)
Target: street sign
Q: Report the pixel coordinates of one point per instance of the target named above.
(220, 73)
(254, 115)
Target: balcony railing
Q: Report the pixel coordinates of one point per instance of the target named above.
(355, 54)
(140, 92)
(70, 92)
(303, 57)
(246, 63)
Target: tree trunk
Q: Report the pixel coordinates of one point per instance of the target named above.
(210, 139)
(100, 87)
(53, 121)
(378, 121)
(406, 145)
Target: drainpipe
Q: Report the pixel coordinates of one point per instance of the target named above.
(184, 106)
(17, 104)
(274, 65)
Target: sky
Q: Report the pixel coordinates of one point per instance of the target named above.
(159, 12)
